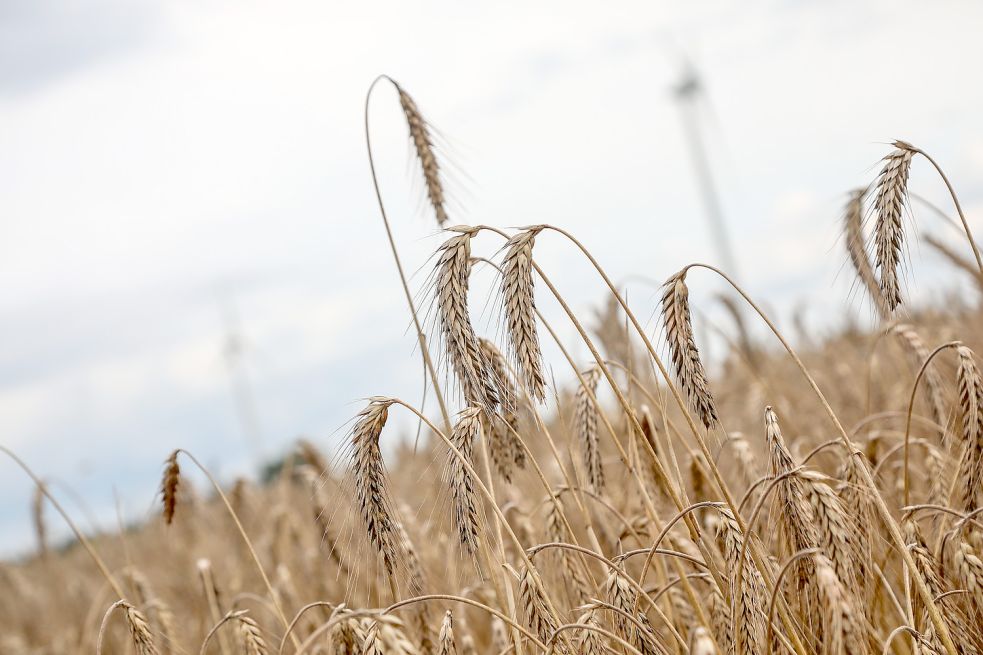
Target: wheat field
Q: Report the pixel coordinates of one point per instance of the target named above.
(820, 500)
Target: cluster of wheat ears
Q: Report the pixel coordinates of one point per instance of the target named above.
(839, 510)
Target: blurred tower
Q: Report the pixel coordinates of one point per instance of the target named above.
(233, 352)
(689, 96)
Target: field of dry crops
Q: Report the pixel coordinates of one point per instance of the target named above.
(816, 502)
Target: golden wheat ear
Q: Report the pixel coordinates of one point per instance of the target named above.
(686, 361)
(889, 202)
(168, 487)
(423, 143)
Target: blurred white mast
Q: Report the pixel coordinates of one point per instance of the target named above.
(689, 93)
(233, 352)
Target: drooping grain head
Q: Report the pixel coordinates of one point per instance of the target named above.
(889, 202)
(371, 488)
(143, 639)
(686, 361)
(778, 454)
(251, 636)
(447, 645)
(168, 487)
(591, 641)
(970, 387)
(536, 612)
(837, 531)
(519, 303)
(748, 590)
(423, 143)
(842, 621)
(620, 594)
(587, 415)
(463, 350)
(465, 502)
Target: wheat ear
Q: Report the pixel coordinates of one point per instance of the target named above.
(168, 487)
(853, 237)
(686, 360)
(519, 302)
(970, 388)
(889, 202)
(465, 432)
(587, 414)
(446, 641)
(371, 489)
(423, 143)
(460, 341)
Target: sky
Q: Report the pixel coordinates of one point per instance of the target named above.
(184, 180)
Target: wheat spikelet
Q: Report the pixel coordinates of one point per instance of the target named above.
(918, 354)
(446, 638)
(721, 620)
(168, 487)
(843, 630)
(970, 389)
(519, 303)
(422, 141)
(835, 527)
(143, 640)
(686, 360)
(854, 494)
(536, 611)
(590, 640)
(372, 642)
(967, 569)
(371, 491)
(345, 638)
(460, 341)
(621, 595)
(889, 202)
(962, 628)
(465, 432)
(251, 637)
(747, 590)
(587, 414)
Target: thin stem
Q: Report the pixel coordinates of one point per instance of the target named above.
(911, 404)
(959, 209)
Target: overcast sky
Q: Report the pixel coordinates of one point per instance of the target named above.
(167, 166)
